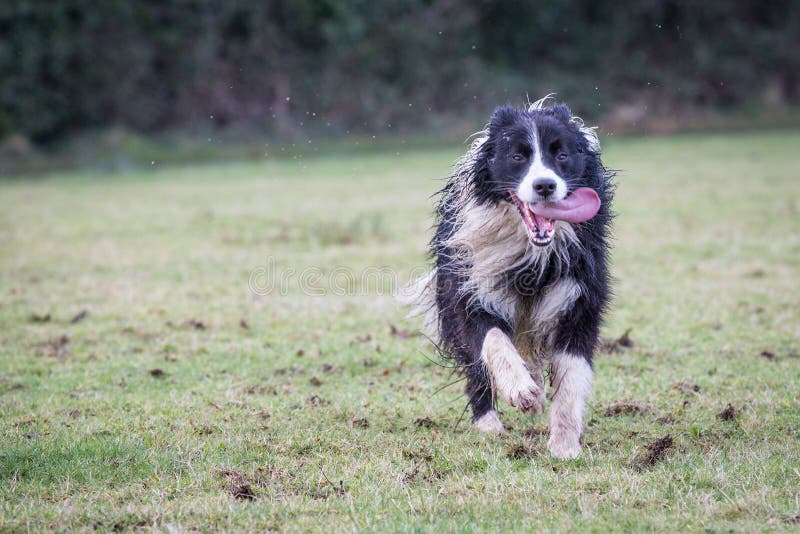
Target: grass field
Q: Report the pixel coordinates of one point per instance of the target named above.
(216, 348)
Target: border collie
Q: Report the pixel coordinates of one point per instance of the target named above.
(520, 278)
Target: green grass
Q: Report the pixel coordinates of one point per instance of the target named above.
(159, 404)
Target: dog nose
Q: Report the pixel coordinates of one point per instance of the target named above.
(544, 186)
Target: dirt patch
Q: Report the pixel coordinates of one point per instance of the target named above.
(402, 334)
(277, 481)
(315, 400)
(157, 373)
(425, 422)
(626, 408)
(80, 316)
(685, 387)
(190, 324)
(653, 453)
(521, 452)
(534, 432)
(729, 413)
(615, 345)
(422, 454)
(361, 422)
(37, 318)
(767, 354)
(56, 347)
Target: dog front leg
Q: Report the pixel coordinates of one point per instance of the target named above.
(571, 377)
(510, 377)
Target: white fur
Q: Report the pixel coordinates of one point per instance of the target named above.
(489, 423)
(510, 377)
(557, 298)
(571, 379)
(538, 170)
(491, 240)
(420, 296)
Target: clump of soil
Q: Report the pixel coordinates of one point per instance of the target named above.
(729, 413)
(238, 485)
(401, 334)
(361, 422)
(626, 408)
(615, 345)
(425, 422)
(521, 452)
(685, 387)
(57, 346)
(654, 452)
(534, 432)
(80, 316)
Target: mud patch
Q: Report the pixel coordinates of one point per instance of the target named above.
(361, 422)
(616, 345)
(653, 453)
(534, 432)
(80, 316)
(729, 413)
(425, 422)
(238, 485)
(685, 387)
(521, 452)
(56, 347)
(767, 354)
(626, 408)
(190, 324)
(402, 334)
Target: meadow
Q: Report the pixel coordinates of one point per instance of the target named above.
(216, 347)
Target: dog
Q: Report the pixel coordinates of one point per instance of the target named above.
(520, 280)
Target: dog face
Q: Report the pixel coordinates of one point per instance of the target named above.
(537, 159)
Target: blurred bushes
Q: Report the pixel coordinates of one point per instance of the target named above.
(295, 67)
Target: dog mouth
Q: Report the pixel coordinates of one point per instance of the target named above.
(540, 217)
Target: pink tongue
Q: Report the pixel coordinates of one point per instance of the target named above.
(580, 206)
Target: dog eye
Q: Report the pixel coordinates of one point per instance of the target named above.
(518, 157)
(562, 156)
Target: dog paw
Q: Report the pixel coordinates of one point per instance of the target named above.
(527, 396)
(489, 423)
(564, 447)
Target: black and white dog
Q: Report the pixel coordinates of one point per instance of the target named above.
(520, 281)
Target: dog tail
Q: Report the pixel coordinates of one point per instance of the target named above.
(420, 297)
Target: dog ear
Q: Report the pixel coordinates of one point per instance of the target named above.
(560, 112)
(502, 117)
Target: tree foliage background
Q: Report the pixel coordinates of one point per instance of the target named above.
(286, 66)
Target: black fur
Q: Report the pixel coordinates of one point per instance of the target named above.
(488, 177)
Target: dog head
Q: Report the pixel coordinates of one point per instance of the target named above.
(543, 161)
